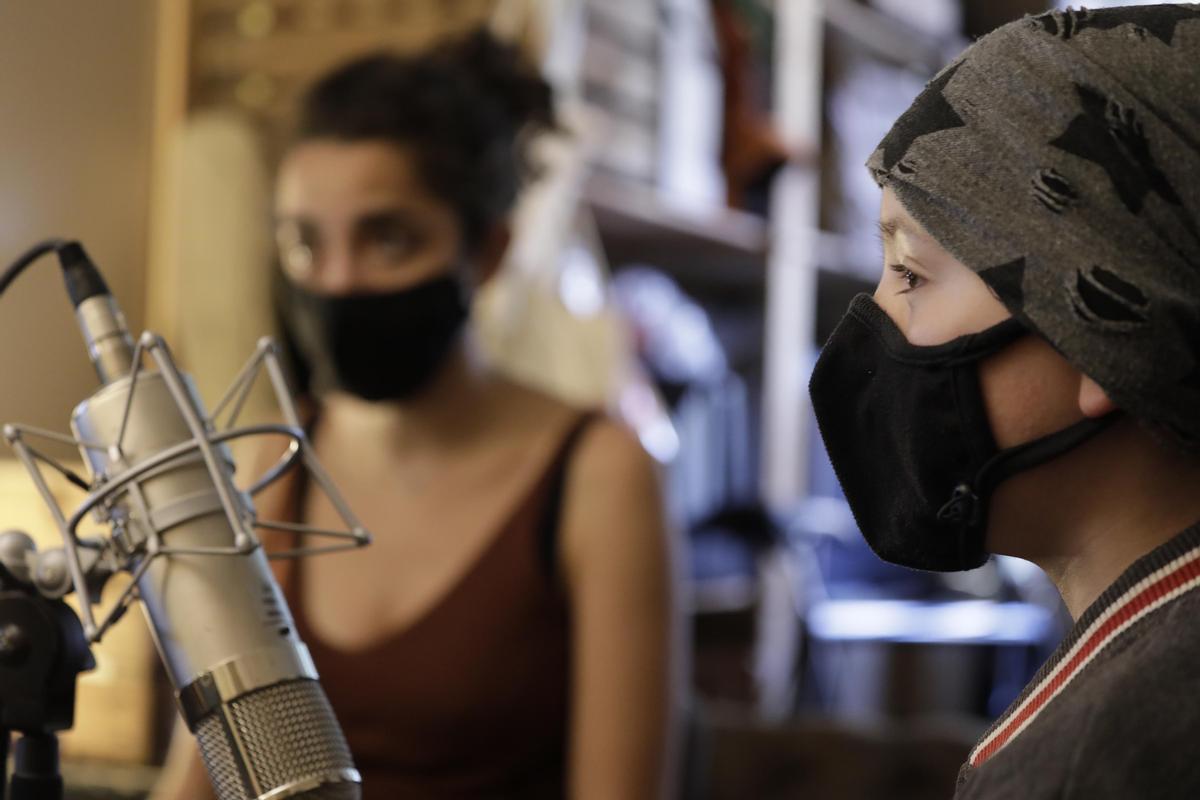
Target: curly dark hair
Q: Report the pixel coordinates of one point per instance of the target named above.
(466, 107)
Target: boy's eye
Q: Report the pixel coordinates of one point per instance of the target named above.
(910, 279)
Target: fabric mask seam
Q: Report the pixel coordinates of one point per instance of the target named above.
(956, 357)
(961, 530)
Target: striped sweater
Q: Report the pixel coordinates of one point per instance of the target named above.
(1115, 712)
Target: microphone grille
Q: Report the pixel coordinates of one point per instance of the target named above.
(282, 735)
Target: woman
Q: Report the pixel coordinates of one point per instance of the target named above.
(1026, 378)
(510, 633)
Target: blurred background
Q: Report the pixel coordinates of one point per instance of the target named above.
(696, 233)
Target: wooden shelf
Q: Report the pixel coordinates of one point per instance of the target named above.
(724, 249)
(725, 252)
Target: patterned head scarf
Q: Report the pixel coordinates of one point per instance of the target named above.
(1059, 158)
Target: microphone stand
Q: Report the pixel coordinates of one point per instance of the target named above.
(42, 652)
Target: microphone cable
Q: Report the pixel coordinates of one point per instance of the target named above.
(28, 257)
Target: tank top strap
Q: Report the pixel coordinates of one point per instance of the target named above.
(555, 482)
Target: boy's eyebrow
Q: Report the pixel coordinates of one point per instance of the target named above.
(889, 227)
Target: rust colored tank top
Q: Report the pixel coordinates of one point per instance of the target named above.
(470, 700)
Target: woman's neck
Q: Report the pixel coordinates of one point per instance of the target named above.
(451, 409)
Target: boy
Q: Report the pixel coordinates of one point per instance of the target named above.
(1026, 378)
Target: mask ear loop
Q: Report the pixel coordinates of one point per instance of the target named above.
(968, 502)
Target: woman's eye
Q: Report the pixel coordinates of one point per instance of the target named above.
(389, 248)
(298, 258)
(295, 252)
(394, 244)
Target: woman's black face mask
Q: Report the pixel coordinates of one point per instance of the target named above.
(378, 346)
(908, 435)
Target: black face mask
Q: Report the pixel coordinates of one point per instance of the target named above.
(378, 346)
(908, 435)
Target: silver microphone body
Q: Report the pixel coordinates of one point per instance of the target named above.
(245, 683)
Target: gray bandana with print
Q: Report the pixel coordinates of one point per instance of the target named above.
(1059, 158)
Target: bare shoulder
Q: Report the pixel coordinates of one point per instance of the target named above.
(611, 481)
(531, 422)
(613, 502)
(605, 442)
(533, 410)
(610, 451)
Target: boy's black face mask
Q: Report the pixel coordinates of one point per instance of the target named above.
(907, 432)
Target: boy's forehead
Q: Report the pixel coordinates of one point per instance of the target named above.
(894, 219)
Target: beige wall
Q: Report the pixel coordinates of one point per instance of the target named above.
(76, 81)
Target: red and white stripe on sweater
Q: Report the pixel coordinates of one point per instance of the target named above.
(1158, 588)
